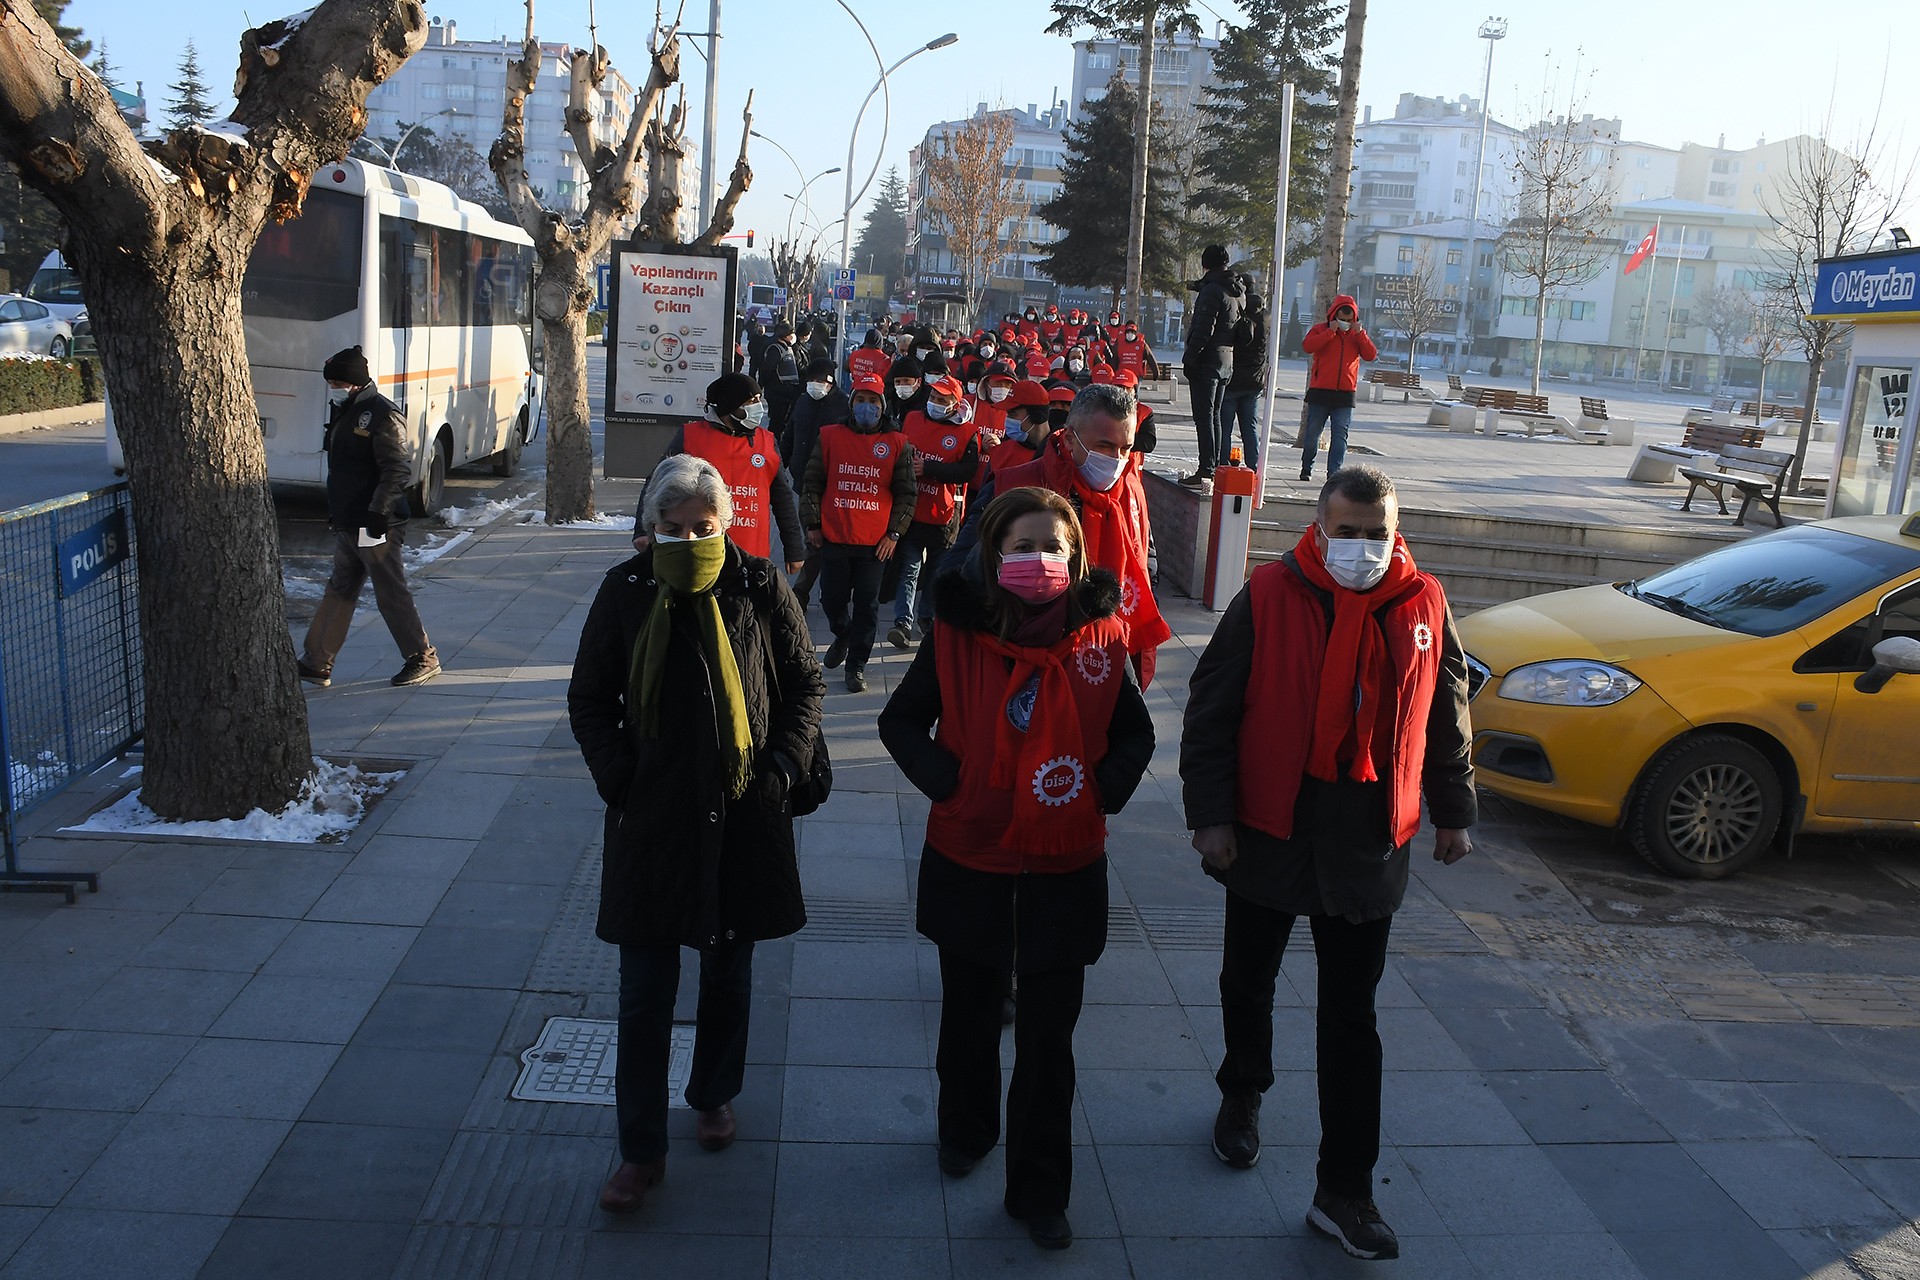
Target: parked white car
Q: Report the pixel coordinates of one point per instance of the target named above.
(29, 328)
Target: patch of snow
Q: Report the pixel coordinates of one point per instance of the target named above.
(481, 512)
(44, 774)
(166, 174)
(25, 355)
(330, 804)
(601, 520)
(293, 23)
(1626, 908)
(433, 548)
(303, 588)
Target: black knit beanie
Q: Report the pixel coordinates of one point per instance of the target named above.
(726, 393)
(349, 366)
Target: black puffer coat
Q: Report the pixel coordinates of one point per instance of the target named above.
(683, 864)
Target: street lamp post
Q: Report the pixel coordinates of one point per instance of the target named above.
(846, 209)
(794, 201)
(1491, 30)
(393, 156)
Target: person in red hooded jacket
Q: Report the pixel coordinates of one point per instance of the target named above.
(1337, 348)
(1021, 721)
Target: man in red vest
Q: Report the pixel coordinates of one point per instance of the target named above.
(733, 438)
(946, 456)
(1090, 462)
(1331, 697)
(856, 503)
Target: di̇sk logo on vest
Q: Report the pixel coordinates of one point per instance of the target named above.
(1422, 637)
(1129, 597)
(1059, 781)
(1093, 662)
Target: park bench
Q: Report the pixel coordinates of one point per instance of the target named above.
(1454, 386)
(1402, 380)
(1661, 463)
(1595, 425)
(1756, 473)
(1531, 410)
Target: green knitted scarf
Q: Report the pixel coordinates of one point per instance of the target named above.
(688, 572)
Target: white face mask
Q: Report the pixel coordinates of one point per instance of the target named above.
(1357, 564)
(753, 414)
(1343, 325)
(1076, 366)
(921, 353)
(939, 412)
(902, 390)
(818, 390)
(1102, 470)
(986, 351)
(997, 394)
(337, 396)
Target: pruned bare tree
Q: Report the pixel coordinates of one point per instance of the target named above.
(1727, 314)
(971, 187)
(1419, 307)
(160, 237)
(569, 245)
(1771, 332)
(1560, 236)
(795, 265)
(1828, 202)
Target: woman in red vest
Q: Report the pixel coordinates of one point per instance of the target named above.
(856, 503)
(1041, 732)
(946, 456)
(734, 440)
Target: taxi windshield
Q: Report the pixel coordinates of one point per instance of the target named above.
(1776, 583)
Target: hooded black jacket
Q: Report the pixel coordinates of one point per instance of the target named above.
(1216, 311)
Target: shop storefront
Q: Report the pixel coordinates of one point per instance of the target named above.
(1874, 464)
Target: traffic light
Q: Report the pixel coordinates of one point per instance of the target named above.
(749, 237)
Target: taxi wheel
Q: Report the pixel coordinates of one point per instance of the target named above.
(1706, 808)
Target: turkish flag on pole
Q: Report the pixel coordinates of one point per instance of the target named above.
(1640, 254)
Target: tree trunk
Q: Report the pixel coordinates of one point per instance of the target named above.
(1540, 296)
(226, 722)
(1333, 227)
(1142, 151)
(561, 301)
(1807, 405)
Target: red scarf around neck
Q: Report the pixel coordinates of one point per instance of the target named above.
(1115, 540)
(1044, 822)
(1354, 669)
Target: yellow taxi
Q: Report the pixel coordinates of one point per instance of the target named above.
(1716, 708)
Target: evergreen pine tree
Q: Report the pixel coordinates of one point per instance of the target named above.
(883, 236)
(189, 105)
(1283, 40)
(51, 11)
(1091, 207)
(103, 68)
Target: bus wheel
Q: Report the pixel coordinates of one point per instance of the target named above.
(507, 461)
(430, 493)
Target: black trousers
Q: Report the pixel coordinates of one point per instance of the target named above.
(1208, 389)
(850, 578)
(1346, 1040)
(907, 578)
(1040, 1100)
(649, 980)
(809, 574)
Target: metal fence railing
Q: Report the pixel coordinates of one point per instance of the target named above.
(71, 690)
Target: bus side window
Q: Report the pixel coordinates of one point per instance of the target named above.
(394, 247)
(450, 292)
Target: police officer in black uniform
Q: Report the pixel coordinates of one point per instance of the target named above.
(369, 466)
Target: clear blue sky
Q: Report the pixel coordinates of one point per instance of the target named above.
(1673, 72)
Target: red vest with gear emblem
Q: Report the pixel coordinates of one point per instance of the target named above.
(869, 362)
(942, 442)
(971, 826)
(1132, 355)
(746, 464)
(1290, 628)
(858, 503)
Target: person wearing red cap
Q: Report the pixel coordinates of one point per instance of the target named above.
(1025, 428)
(1133, 354)
(1051, 326)
(856, 503)
(990, 401)
(946, 456)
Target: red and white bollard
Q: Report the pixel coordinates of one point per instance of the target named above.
(1230, 532)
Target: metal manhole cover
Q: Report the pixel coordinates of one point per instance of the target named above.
(574, 1058)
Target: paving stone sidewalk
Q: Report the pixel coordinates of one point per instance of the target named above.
(253, 1061)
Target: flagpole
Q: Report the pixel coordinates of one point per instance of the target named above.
(1673, 296)
(1646, 308)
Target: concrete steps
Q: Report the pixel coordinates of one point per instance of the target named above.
(1485, 560)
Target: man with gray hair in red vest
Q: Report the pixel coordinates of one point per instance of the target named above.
(1331, 698)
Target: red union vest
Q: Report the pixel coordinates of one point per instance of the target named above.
(1132, 355)
(858, 502)
(942, 442)
(971, 825)
(1290, 640)
(869, 362)
(747, 464)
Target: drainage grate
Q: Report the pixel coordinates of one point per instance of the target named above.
(857, 920)
(1184, 928)
(573, 1061)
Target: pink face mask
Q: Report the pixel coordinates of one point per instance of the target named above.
(1035, 576)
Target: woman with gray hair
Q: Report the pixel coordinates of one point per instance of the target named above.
(695, 699)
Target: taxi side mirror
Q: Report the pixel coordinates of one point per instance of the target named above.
(1897, 656)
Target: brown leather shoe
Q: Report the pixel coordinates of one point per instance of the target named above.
(628, 1187)
(714, 1129)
